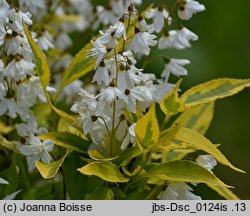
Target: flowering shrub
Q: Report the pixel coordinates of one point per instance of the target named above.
(97, 124)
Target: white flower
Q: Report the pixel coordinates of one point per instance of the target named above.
(37, 150)
(129, 138)
(12, 195)
(18, 68)
(142, 23)
(16, 20)
(2, 35)
(63, 41)
(101, 75)
(3, 181)
(134, 95)
(106, 17)
(34, 6)
(9, 106)
(174, 66)
(159, 15)
(110, 94)
(108, 38)
(170, 41)
(4, 10)
(99, 51)
(120, 30)
(31, 127)
(189, 8)
(184, 36)
(206, 161)
(178, 191)
(45, 41)
(70, 90)
(141, 42)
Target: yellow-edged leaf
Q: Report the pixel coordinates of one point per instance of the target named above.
(183, 171)
(200, 142)
(104, 170)
(67, 140)
(197, 118)
(11, 145)
(40, 60)
(213, 90)
(147, 129)
(69, 118)
(224, 192)
(171, 104)
(50, 170)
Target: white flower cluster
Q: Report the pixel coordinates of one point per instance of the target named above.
(124, 90)
(20, 88)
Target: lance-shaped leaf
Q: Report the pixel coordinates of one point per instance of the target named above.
(79, 66)
(183, 171)
(199, 142)
(171, 104)
(197, 118)
(104, 170)
(224, 192)
(50, 170)
(147, 129)
(40, 60)
(67, 140)
(213, 90)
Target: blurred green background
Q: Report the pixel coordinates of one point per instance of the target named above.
(223, 50)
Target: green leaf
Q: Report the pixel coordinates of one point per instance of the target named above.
(101, 193)
(197, 118)
(126, 156)
(79, 66)
(104, 170)
(224, 192)
(171, 104)
(183, 171)
(213, 90)
(198, 141)
(147, 129)
(40, 60)
(11, 145)
(50, 170)
(67, 140)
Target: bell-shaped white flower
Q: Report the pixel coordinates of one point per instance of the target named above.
(99, 51)
(18, 68)
(206, 161)
(37, 150)
(111, 94)
(4, 10)
(159, 15)
(101, 74)
(189, 8)
(2, 34)
(120, 30)
(34, 6)
(129, 138)
(170, 41)
(45, 41)
(16, 19)
(134, 95)
(141, 42)
(178, 191)
(184, 35)
(31, 127)
(175, 66)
